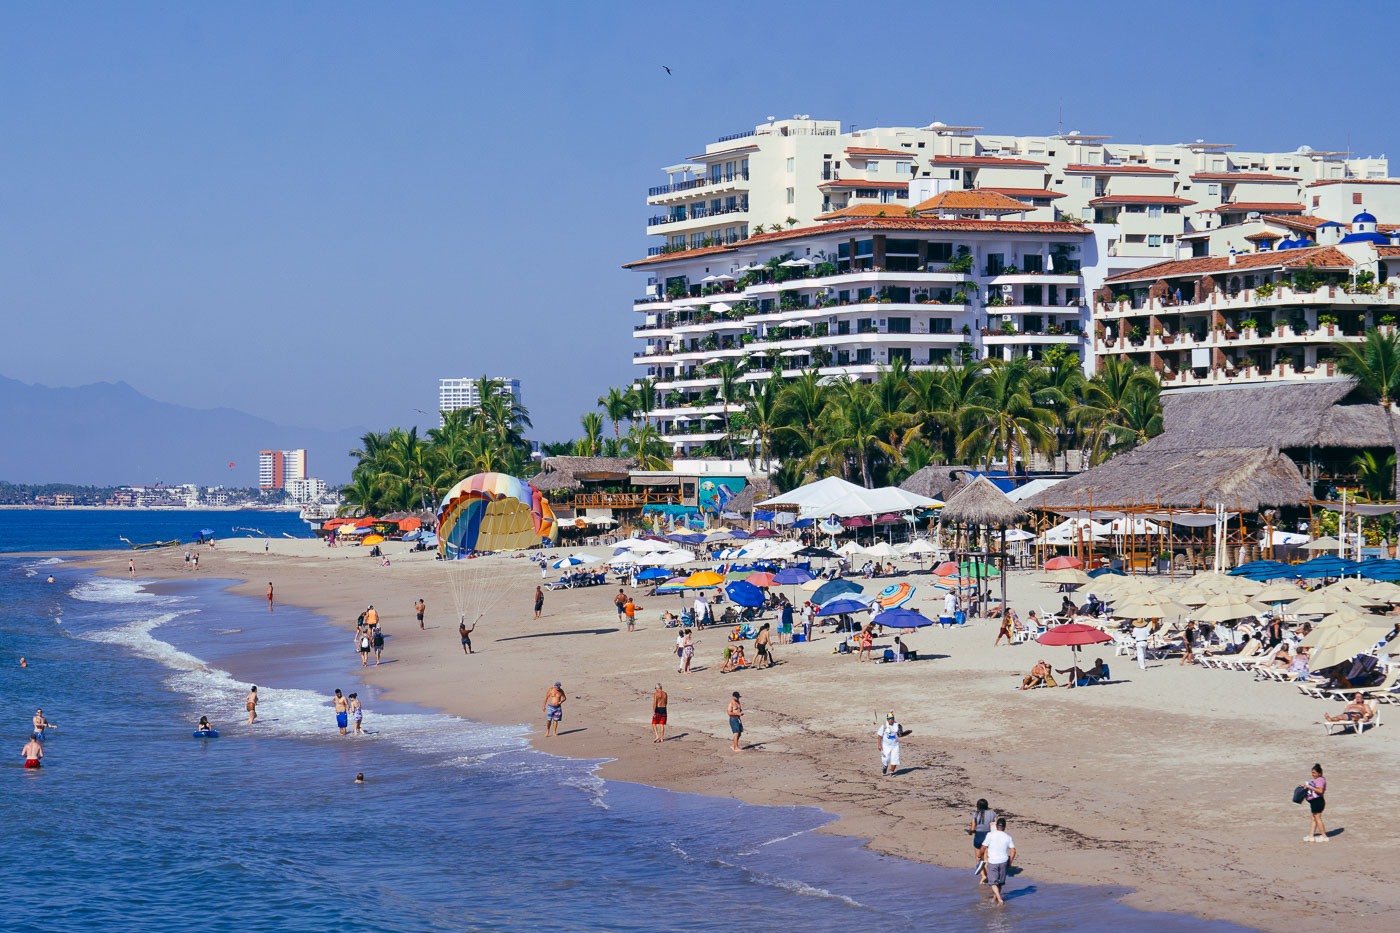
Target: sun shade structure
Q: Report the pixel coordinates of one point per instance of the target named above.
(833, 589)
(1148, 607)
(982, 503)
(702, 579)
(901, 618)
(834, 496)
(894, 596)
(1227, 607)
(743, 593)
(841, 606)
(1070, 576)
(1063, 563)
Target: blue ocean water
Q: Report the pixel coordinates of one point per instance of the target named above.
(134, 825)
(103, 529)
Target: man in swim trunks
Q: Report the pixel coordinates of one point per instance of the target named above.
(371, 617)
(418, 608)
(658, 715)
(40, 724)
(466, 634)
(620, 600)
(378, 646)
(252, 704)
(33, 752)
(553, 709)
(269, 595)
(736, 719)
(342, 710)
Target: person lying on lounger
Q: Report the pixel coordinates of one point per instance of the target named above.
(1358, 710)
(1040, 676)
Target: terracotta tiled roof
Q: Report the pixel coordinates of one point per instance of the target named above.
(957, 225)
(1116, 170)
(866, 210)
(994, 161)
(1265, 235)
(1140, 199)
(1264, 177)
(859, 152)
(679, 254)
(1321, 257)
(1388, 252)
(1027, 192)
(1297, 222)
(855, 183)
(1355, 181)
(1260, 207)
(975, 199)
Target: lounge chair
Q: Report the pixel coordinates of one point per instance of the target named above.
(1372, 717)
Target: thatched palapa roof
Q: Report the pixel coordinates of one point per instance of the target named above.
(1281, 416)
(558, 473)
(981, 503)
(937, 481)
(757, 489)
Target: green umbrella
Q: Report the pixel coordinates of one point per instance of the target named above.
(973, 568)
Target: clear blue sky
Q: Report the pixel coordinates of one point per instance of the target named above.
(312, 211)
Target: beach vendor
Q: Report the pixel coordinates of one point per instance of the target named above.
(887, 738)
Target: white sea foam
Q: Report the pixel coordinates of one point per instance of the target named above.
(113, 590)
(35, 567)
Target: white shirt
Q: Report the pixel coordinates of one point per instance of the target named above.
(999, 845)
(1142, 633)
(889, 734)
(950, 604)
(701, 607)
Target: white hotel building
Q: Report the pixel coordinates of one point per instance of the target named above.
(454, 394)
(1043, 220)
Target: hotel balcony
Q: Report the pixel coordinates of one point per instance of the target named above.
(1250, 299)
(697, 218)
(1221, 376)
(680, 191)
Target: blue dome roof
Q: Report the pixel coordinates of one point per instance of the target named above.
(1285, 244)
(1330, 223)
(1363, 218)
(1378, 238)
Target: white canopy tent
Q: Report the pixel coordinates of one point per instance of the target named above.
(835, 496)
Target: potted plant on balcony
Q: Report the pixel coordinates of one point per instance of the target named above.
(1387, 325)
(966, 331)
(959, 298)
(746, 339)
(1264, 291)
(824, 269)
(1328, 322)
(820, 329)
(960, 264)
(1249, 328)
(1008, 326)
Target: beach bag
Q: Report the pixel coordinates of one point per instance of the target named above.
(1300, 793)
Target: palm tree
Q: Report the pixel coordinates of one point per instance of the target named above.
(939, 399)
(761, 415)
(410, 461)
(853, 428)
(620, 406)
(591, 443)
(730, 376)
(800, 408)
(891, 394)
(644, 444)
(1140, 420)
(1106, 398)
(1375, 365)
(1007, 418)
(361, 496)
(1065, 373)
(1375, 475)
(644, 395)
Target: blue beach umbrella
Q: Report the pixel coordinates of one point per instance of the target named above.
(742, 593)
(834, 589)
(654, 573)
(840, 606)
(901, 618)
(791, 576)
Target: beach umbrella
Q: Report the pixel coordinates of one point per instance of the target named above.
(1317, 603)
(1328, 543)
(654, 573)
(946, 569)
(831, 526)
(849, 548)
(1279, 593)
(973, 568)
(430, 539)
(856, 521)
(1148, 607)
(1074, 636)
(676, 558)
(901, 618)
(762, 578)
(626, 557)
(791, 576)
(206, 532)
(743, 593)
(833, 589)
(373, 539)
(817, 552)
(920, 546)
(764, 533)
(813, 584)
(1227, 607)
(883, 549)
(1106, 572)
(1070, 576)
(894, 596)
(574, 560)
(701, 579)
(1346, 642)
(673, 585)
(840, 606)
(1064, 563)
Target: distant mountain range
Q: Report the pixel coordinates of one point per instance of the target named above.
(107, 433)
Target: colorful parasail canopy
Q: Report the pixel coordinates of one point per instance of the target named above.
(493, 512)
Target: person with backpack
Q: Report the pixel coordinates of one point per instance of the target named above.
(378, 642)
(363, 643)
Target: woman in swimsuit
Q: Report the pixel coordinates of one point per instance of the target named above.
(356, 713)
(204, 725)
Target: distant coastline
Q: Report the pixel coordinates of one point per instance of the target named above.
(151, 508)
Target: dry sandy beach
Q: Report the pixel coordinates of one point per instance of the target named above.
(1174, 781)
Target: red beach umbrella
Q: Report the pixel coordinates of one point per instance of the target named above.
(946, 569)
(761, 579)
(1074, 635)
(1063, 563)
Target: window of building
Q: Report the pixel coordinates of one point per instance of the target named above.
(1213, 190)
(1033, 262)
(902, 168)
(940, 252)
(940, 325)
(1135, 209)
(791, 164)
(863, 356)
(731, 203)
(955, 174)
(901, 353)
(939, 355)
(728, 170)
(865, 325)
(995, 263)
(898, 325)
(745, 168)
(872, 167)
(791, 195)
(716, 206)
(843, 357)
(1154, 210)
(1316, 200)
(1087, 182)
(1154, 239)
(1356, 198)
(678, 241)
(965, 149)
(843, 328)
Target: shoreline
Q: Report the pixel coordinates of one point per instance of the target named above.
(810, 755)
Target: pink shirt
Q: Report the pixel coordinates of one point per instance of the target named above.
(1317, 787)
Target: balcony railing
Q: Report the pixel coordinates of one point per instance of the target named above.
(624, 500)
(694, 183)
(733, 136)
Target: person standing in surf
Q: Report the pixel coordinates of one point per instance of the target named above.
(269, 595)
(33, 752)
(356, 713)
(418, 608)
(252, 704)
(342, 710)
(553, 709)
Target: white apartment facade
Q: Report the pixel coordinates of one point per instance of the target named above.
(455, 394)
(1146, 196)
(277, 467)
(305, 489)
(848, 297)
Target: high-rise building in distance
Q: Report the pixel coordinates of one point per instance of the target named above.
(454, 394)
(276, 467)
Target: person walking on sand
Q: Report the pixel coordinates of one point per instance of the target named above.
(620, 601)
(1141, 633)
(418, 608)
(998, 852)
(629, 609)
(342, 710)
(553, 709)
(187, 558)
(252, 703)
(887, 739)
(984, 820)
(378, 645)
(363, 644)
(269, 595)
(371, 616)
(195, 560)
(1317, 802)
(687, 652)
(539, 601)
(33, 752)
(736, 719)
(466, 634)
(658, 715)
(356, 712)
(131, 566)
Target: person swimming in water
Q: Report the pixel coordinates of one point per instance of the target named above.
(33, 752)
(204, 725)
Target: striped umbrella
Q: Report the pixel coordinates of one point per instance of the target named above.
(894, 596)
